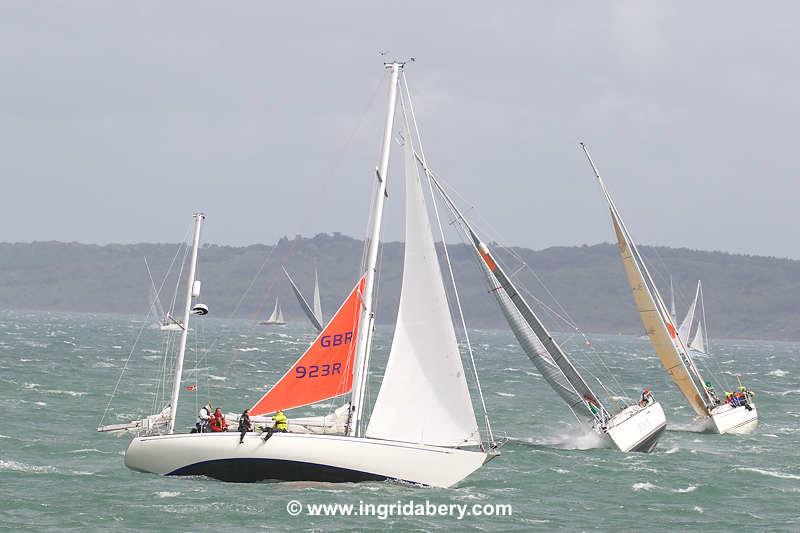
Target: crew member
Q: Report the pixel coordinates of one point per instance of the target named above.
(203, 417)
(646, 398)
(217, 422)
(244, 424)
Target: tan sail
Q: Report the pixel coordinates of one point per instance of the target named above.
(661, 332)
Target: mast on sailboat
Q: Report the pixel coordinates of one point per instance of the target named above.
(192, 291)
(366, 331)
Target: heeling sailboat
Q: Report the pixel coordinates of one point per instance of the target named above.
(276, 318)
(636, 427)
(665, 338)
(314, 315)
(424, 374)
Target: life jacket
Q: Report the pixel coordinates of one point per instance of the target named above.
(217, 423)
(281, 422)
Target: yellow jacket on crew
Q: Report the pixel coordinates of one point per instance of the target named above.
(281, 422)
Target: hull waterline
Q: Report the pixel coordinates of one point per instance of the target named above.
(301, 457)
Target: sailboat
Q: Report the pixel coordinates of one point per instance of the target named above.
(696, 344)
(636, 427)
(424, 374)
(276, 318)
(314, 315)
(670, 346)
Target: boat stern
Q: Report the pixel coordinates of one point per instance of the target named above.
(735, 420)
(636, 428)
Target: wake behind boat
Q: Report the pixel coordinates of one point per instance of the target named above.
(424, 373)
(670, 344)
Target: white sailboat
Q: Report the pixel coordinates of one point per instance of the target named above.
(670, 346)
(314, 315)
(636, 427)
(424, 374)
(276, 318)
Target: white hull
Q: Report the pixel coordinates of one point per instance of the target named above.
(736, 420)
(272, 323)
(301, 457)
(170, 327)
(637, 428)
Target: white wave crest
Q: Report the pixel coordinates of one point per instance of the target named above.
(643, 486)
(690, 488)
(16, 466)
(166, 494)
(778, 373)
(770, 473)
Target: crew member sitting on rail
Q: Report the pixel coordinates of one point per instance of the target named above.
(647, 398)
(217, 422)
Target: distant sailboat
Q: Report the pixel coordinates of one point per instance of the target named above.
(314, 315)
(422, 427)
(276, 318)
(697, 344)
(669, 344)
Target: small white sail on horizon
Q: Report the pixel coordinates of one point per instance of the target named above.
(276, 318)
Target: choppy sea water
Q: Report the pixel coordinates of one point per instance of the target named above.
(57, 371)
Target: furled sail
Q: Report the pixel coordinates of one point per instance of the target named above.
(316, 320)
(424, 396)
(325, 370)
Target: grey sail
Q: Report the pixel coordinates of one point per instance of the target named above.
(531, 334)
(535, 350)
(303, 303)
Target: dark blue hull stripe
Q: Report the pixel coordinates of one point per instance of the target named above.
(254, 470)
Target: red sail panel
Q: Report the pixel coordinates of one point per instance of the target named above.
(325, 370)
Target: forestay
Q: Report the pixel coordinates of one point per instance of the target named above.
(424, 396)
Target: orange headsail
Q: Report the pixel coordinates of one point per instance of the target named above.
(325, 370)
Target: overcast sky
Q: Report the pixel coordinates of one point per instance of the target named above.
(118, 119)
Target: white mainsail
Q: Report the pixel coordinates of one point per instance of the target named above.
(317, 302)
(685, 329)
(424, 384)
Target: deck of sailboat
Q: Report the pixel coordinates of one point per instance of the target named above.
(301, 457)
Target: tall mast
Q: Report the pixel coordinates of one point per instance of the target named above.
(187, 310)
(368, 314)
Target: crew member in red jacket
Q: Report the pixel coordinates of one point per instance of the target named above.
(217, 422)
